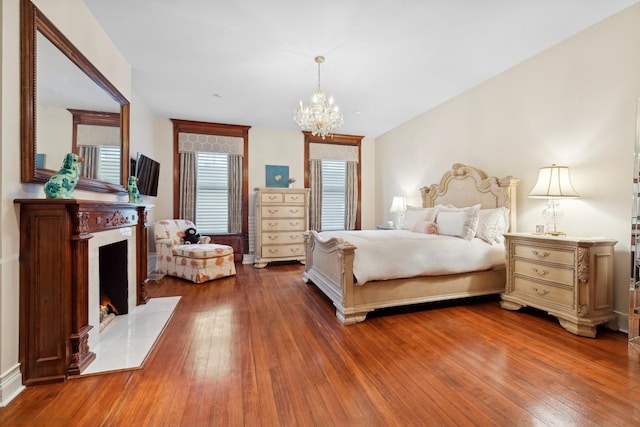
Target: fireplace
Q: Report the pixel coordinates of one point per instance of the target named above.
(112, 267)
(113, 277)
(60, 279)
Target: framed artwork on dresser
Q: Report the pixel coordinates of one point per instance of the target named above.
(277, 176)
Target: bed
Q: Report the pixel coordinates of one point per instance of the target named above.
(330, 260)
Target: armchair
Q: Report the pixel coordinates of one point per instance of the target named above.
(198, 263)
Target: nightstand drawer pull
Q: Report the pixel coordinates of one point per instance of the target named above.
(540, 292)
(540, 273)
(541, 255)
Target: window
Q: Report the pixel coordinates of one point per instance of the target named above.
(210, 184)
(212, 193)
(109, 163)
(334, 178)
(332, 173)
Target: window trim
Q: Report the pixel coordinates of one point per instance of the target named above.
(206, 128)
(338, 139)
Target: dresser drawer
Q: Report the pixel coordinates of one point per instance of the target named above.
(281, 237)
(543, 292)
(283, 251)
(546, 272)
(294, 199)
(282, 211)
(283, 224)
(544, 254)
(272, 197)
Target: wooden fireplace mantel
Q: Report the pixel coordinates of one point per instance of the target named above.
(54, 280)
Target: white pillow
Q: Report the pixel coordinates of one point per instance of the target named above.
(414, 214)
(492, 224)
(458, 222)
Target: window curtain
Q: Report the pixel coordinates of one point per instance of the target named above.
(315, 194)
(351, 196)
(91, 160)
(188, 183)
(235, 193)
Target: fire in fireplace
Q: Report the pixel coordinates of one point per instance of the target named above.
(114, 284)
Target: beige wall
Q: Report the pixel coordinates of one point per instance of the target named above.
(573, 104)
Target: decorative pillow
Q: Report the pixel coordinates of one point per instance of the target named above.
(414, 215)
(426, 227)
(458, 222)
(492, 224)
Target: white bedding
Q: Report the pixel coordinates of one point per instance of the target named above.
(394, 254)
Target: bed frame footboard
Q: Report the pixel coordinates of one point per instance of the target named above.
(329, 266)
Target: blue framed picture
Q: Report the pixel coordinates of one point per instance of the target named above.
(39, 160)
(277, 176)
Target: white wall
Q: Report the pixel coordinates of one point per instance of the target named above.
(574, 104)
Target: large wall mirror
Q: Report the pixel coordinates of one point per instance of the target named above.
(59, 82)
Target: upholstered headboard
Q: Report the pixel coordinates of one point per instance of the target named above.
(463, 186)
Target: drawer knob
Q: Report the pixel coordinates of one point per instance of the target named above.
(541, 254)
(542, 292)
(540, 272)
(293, 224)
(273, 211)
(294, 211)
(272, 224)
(273, 197)
(272, 238)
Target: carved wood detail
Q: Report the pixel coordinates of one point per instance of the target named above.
(54, 280)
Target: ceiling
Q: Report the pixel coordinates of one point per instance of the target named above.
(250, 62)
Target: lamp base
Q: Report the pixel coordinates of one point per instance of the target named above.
(556, 233)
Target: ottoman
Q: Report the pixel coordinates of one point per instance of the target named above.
(203, 262)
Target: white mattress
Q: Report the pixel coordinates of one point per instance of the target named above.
(395, 254)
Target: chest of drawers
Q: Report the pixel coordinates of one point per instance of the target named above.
(282, 216)
(571, 278)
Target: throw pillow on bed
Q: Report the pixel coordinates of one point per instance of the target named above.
(492, 224)
(426, 227)
(414, 215)
(458, 222)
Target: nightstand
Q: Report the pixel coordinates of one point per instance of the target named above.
(570, 278)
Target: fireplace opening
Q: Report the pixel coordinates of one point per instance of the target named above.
(114, 284)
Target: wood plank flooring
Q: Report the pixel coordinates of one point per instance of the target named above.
(264, 349)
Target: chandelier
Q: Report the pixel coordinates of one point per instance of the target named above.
(322, 115)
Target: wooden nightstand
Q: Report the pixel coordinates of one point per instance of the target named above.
(571, 278)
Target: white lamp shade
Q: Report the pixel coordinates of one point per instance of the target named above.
(554, 182)
(398, 204)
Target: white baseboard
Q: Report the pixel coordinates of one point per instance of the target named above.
(248, 258)
(622, 322)
(10, 385)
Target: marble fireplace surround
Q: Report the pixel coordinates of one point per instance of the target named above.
(58, 242)
(100, 239)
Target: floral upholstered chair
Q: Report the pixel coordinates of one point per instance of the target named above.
(199, 262)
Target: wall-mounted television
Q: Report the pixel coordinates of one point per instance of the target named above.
(147, 171)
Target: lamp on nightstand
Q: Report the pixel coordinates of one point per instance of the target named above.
(399, 206)
(554, 182)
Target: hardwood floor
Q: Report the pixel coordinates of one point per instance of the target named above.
(264, 349)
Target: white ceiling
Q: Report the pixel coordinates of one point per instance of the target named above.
(386, 61)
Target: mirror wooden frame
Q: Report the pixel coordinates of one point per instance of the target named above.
(32, 21)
